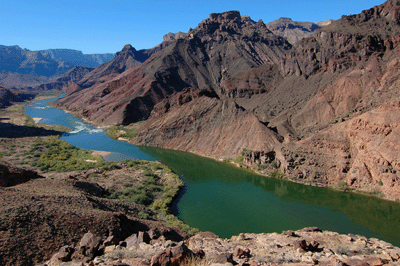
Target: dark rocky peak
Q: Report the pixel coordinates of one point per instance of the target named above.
(127, 58)
(231, 26)
(260, 23)
(340, 45)
(226, 16)
(229, 21)
(127, 48)
(130, 53)
(248, 19)
(389, 10)
(382, 20)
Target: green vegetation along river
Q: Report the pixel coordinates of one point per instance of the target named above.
(227, 200)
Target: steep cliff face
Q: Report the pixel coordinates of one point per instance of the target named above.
(198, 120)
(345, 114)
(362, 152)
(218, 48)
(344, 68)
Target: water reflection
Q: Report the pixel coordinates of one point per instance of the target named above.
(309, 206)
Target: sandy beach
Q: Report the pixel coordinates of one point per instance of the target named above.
(37, 119)
(101, 153)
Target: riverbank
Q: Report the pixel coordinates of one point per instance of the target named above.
(40, 214)
(226, 194)
(138, 189)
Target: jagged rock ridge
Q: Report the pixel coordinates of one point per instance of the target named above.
(218, 48)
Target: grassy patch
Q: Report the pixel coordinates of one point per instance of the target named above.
(59, 156)
(126, 132)
(157, 188)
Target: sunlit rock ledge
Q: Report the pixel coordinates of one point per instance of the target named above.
(308, 246)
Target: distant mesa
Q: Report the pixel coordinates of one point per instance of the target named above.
(295, 31)
(46, 62)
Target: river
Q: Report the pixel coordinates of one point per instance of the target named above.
(227, 200)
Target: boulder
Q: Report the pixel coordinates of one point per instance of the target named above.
(313, 246)
(88, 247)
(302, 244)
(111, 240)
(355, 262)
(65, 253)
(242, 253)
(288, 233)
(310, 229)
(224, 258)
(172, 256)
(136, 239)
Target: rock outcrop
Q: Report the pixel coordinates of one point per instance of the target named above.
(10, 96)
(11, 176)
(302, 247)
(38, 216)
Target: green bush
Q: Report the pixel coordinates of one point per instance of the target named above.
(276, 174)
(62, 157)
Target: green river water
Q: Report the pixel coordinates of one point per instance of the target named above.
(227, 200)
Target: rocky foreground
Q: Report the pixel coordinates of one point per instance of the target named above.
(309, 246)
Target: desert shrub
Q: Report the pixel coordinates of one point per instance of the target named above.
(343, 250)
(276, 174)
(126, 132)
(143, 215)
(113, 166)
(174, 221)
(342, 185)
(61, 157)
(274, 164)
(263, 166)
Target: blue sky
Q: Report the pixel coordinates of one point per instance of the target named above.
(105, 26)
